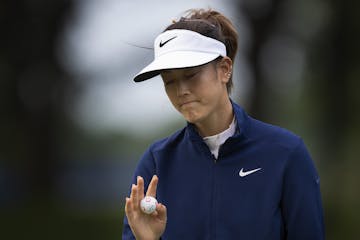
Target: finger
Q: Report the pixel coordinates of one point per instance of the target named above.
(140, 183)
(152, 187)
(128, 207)
(161, 212)
(132, 192)
(134, 197)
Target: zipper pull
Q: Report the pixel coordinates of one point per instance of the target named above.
(215, 159)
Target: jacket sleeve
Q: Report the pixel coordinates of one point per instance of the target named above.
(301, 198)
(145, 168)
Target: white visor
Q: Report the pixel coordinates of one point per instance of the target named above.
(179, 48)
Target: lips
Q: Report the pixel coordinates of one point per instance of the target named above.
(185, 103)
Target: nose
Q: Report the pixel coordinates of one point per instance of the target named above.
(182, 88)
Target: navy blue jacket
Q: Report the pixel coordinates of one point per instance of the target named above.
(209, 199)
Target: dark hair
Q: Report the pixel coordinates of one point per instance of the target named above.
(211, 24)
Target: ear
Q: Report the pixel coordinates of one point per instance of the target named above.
(224, 67)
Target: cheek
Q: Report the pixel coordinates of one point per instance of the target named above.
(171, 96)
(209, 90)
(169, 91)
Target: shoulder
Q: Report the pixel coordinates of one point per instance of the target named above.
(278, 142)
(168, 142)
(259, 132)
(148, 164)
(272, 134)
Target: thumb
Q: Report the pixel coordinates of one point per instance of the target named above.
(161, 212)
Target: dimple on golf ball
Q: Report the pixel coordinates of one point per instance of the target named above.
(148, 204)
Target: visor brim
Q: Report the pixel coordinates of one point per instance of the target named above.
(174, 60)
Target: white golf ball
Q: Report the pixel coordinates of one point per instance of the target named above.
(148, 204)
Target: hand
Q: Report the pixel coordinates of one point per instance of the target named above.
(145, 226)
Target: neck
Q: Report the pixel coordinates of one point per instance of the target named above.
(218, 121)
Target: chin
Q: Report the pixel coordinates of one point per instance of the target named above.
(192, 117)
(193, 114)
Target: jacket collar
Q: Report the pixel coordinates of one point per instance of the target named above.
(242, 121)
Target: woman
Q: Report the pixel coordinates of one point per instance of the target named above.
(225, 175)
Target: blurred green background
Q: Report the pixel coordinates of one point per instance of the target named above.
(73, 125)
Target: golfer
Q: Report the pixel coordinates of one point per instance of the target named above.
(224, 175)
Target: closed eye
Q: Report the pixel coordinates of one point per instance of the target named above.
(168, 82)
(191, 75)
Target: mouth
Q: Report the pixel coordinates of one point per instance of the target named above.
(185, 103)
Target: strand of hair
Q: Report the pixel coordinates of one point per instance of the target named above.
(138, 46)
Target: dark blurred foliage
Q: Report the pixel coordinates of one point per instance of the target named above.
(32, 88)
(36, 134)
(34, 92)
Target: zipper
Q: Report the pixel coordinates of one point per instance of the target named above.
(213, 216)
(212, 225)
(213, 203)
